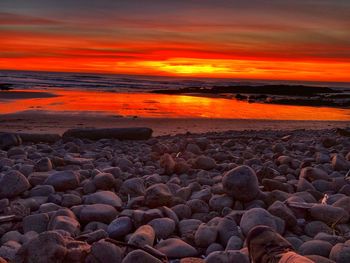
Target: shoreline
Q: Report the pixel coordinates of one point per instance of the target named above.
(41, 122)
(180, 194)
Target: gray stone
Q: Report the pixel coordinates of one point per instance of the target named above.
(227, 256)
(158, 195)
(98, 212)
(12, 184)
(259, 216)
(163, 227)
(143, 236)
(140, 256)
(119, 227)
(316, 247)
(103, 197)
(103, 251)
(63, 180)
(36, 222)
(340, 253)
(241, 183)
(176, 248)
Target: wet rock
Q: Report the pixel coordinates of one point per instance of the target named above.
(241, 183)
(63, 180)
(13, 183)
(176, 248)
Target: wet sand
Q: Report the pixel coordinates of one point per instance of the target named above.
(41, 122)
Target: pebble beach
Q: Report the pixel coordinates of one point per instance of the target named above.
(174, 198)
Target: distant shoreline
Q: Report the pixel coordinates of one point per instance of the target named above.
(299, 95)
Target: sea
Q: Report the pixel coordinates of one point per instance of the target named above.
(132, 83)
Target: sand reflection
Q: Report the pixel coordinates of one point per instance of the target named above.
(168, 106)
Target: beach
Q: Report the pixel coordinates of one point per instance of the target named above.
(90, 175)
(189, 197)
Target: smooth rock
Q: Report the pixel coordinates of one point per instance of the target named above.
(241, 183)
(158, 195)
(143, 236)
(103, 197)
(103, 251)
(163, 227)
(120, 227)
(227, 256)
(63, 180)
(140, 256)
(176, 248)
(12, 184)
(259, 216)
(98, 212)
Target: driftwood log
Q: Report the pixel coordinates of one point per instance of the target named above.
(137, 133)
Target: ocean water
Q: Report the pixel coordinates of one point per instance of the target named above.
(130, 83)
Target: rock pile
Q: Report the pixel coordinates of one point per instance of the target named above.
(189, 197)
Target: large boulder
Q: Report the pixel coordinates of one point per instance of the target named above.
(12, 184)
(241, 183)
(63, 180)
(137, 133)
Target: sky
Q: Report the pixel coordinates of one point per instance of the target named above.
(258, 39)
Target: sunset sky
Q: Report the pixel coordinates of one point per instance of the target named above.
(289, 39)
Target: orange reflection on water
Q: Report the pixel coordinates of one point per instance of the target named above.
(168, 106)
